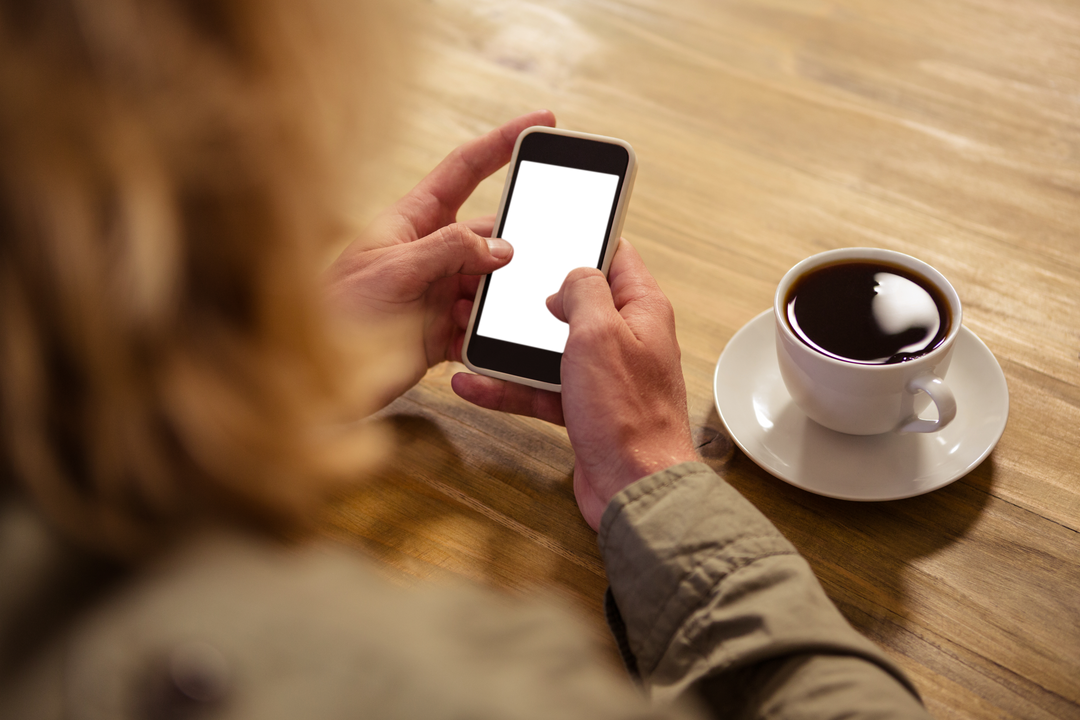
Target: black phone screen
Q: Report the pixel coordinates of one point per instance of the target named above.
(558, 216)
(557, 221)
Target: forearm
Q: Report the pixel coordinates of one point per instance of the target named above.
(714, 599)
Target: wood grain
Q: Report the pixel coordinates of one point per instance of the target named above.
(768, 130)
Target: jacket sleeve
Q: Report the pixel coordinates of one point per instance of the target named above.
(708, 599)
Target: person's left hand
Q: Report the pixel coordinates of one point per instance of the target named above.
(416, 264)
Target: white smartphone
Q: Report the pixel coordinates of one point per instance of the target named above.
(562, 208)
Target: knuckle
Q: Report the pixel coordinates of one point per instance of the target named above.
(456, 236)
(583, 274)
(596, 330)
(669, 312)
(662, 309)
(591, 273)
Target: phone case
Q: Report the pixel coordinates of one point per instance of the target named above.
(622, 202)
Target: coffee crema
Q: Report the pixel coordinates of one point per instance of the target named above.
(867, 312)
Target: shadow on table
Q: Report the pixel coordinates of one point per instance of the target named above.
(461, 499)
(863, 552)
(449, 506)
(455, 502)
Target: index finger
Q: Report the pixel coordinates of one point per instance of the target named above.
(584, 295)
(636, 294)
(628, 276)
(434, 202)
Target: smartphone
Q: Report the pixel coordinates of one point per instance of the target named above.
(562, 208)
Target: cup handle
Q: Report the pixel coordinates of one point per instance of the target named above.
(942, 397)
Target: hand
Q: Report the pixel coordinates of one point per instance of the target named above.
(416, 264)
(623, 396)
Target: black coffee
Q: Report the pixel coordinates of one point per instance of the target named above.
(868, 312)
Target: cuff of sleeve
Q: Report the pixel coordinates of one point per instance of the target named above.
(618, 630)
(704, 583)
(666, 539)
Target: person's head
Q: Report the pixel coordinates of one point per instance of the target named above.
(163, 209)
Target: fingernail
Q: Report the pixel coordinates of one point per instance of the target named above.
(499, 248)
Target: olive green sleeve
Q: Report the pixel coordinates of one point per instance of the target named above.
(709, 599)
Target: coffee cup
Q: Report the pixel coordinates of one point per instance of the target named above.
(864, 338)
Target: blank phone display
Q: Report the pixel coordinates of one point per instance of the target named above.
(557, 219)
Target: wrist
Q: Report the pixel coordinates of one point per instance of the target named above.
(642, 462)
(643, 456)
(595, 490)
(612, 456)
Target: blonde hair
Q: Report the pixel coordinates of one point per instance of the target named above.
(164, 356)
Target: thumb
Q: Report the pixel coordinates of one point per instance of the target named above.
(584, 293)
(455, 249)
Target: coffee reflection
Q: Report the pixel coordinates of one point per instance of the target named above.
(864, 312)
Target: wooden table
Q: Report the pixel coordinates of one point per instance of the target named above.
(767, 131)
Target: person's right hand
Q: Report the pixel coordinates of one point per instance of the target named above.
(418, 266)
(623, 396)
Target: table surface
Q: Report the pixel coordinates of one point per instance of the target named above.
(767, 131)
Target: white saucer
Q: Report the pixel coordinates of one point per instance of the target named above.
(775, 434)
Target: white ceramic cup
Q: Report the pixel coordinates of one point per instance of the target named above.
(862, 399)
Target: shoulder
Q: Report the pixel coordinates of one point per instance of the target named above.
(234, 627)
